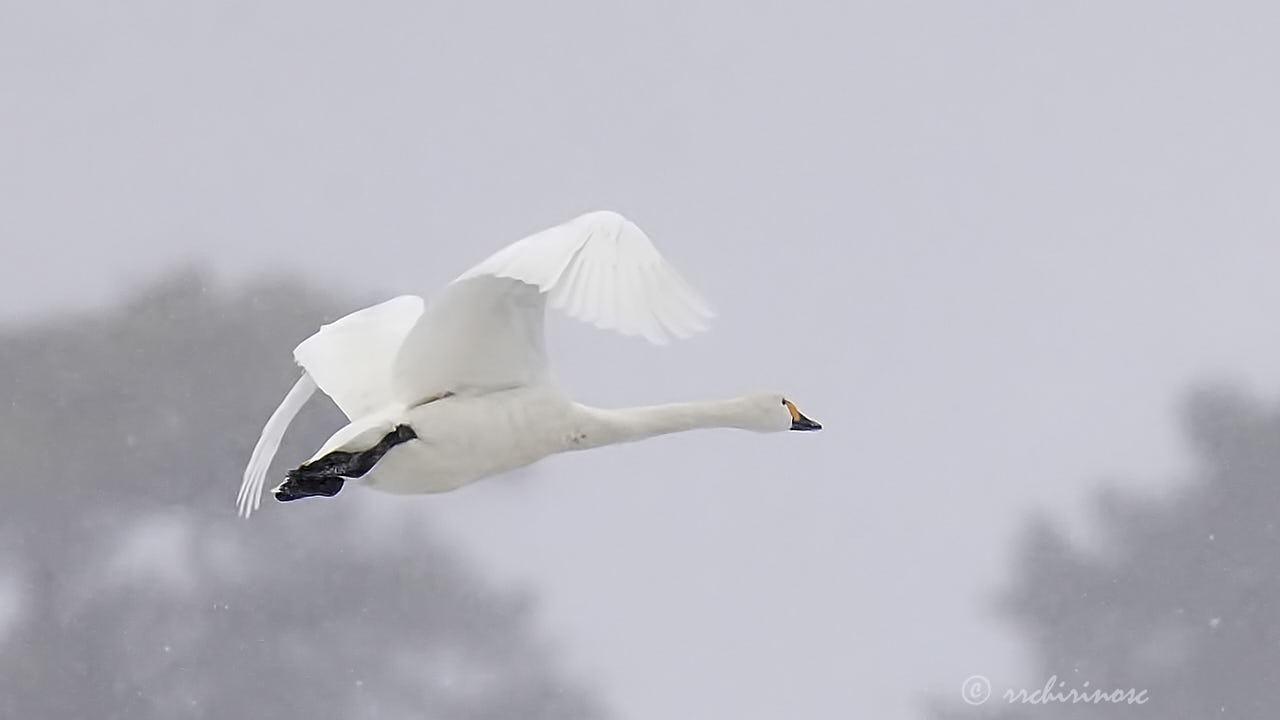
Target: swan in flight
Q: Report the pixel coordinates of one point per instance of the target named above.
(445, 393)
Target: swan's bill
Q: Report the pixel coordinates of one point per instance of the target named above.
(798, 420)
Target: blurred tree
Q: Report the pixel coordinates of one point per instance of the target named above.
(128, 587)
(1183, 599)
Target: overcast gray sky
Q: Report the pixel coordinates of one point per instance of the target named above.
(984, 243)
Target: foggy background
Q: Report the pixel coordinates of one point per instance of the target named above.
(994, 247)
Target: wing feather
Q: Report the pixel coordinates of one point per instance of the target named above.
(250, 495)
(675, 311)
(601, 305)
(579, 307)
(561, 295)
(592, 267)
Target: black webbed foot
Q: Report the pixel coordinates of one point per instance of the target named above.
(326, 475)
(298, 487)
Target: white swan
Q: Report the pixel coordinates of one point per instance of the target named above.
(443, 394)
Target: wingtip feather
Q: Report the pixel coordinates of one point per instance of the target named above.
(249, 498)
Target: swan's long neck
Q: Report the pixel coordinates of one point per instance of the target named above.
(609, 427)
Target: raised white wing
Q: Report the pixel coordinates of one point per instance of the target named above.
(485, 329)
(349, 359)
(602, 269)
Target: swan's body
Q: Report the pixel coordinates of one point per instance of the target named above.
(443, 394)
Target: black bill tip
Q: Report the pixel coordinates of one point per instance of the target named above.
(803, 423)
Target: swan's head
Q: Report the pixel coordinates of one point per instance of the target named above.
(773, 412)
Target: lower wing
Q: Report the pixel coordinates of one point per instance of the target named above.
(350, 360)
(250, 497)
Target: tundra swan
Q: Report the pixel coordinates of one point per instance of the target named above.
(445, 393)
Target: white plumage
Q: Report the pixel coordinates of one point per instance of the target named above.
(467, 372)
(602, 269)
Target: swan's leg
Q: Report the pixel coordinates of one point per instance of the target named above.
(326, 475)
